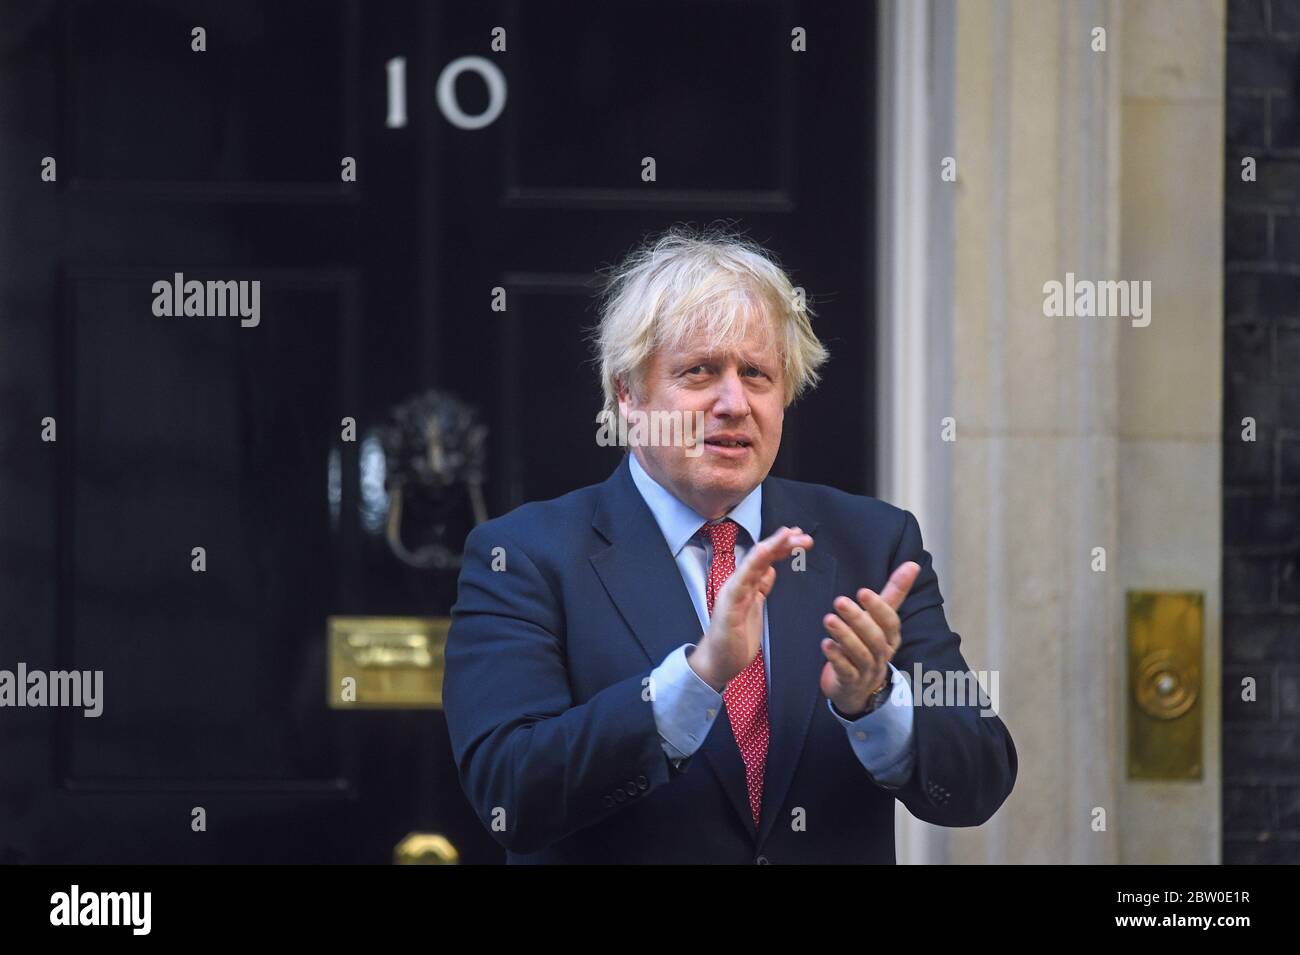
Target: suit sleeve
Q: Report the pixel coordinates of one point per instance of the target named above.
(882, 739)
(535, 766)
(965, 759)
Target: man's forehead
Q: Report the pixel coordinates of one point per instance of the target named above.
(747, 351)
(758, 342)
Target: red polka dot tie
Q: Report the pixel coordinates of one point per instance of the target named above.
(746, 695)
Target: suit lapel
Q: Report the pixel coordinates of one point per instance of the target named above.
(638, 570)
(795, 608)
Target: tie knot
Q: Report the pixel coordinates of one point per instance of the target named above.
(722, 535)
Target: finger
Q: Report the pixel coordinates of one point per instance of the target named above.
(864, 628)
(854, 646)
(900, 583)
(771, 549)
(844, 670)
(786, 541)
(740, 604)
(881, 612)
(752, 582)
(752, 571)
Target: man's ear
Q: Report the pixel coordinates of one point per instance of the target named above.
(624, 395)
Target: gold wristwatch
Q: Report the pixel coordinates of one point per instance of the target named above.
(876, 698)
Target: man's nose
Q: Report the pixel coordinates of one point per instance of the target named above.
(731, 399)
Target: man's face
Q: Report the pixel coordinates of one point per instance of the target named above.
(742, 397)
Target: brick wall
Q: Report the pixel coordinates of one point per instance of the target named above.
(1261, 479)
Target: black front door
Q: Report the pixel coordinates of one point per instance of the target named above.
(179, 506)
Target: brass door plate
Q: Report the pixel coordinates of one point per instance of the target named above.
(1166, 700)
(386, 662)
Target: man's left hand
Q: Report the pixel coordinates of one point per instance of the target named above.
(862, 641)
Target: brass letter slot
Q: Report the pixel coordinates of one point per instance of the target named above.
(386, 662)
(1165, 637)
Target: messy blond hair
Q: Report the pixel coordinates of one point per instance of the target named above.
(685, 280)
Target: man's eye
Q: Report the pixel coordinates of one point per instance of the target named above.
(692, 370)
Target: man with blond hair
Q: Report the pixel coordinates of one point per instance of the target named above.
(604, 640)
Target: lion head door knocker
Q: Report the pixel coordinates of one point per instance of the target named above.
(435, 451)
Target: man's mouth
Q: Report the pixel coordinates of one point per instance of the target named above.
(728, 447)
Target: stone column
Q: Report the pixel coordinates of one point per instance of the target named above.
(1071, 433)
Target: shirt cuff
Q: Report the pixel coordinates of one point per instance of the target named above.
(882, 739)
(684, 705)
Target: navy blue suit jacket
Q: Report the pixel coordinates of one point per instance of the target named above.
(552, 726)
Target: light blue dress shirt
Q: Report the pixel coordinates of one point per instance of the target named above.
(685, 706)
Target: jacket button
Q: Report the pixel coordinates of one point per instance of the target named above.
(608, 800)
(642, 782)
(630, 788)
(762, 860)
(620, 795)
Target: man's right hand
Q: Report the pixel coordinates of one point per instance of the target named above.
(735, 633)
